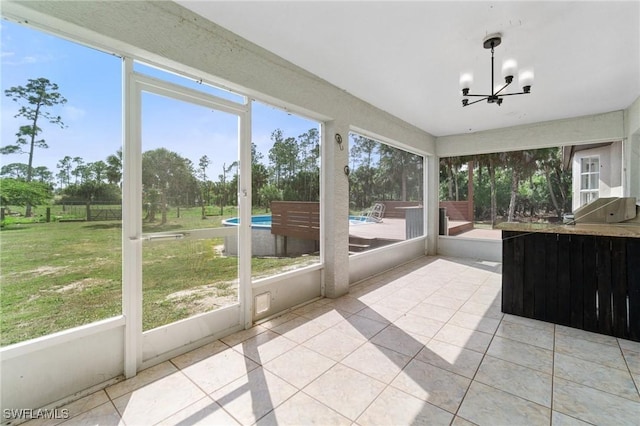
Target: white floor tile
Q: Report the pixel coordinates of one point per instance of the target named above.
(485, 405)
(345, 390)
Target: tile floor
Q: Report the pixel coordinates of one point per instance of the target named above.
(425, 343)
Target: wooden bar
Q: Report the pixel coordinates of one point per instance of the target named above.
(518, 275)
(528, 279)
(633, 292)
(563, 315)
(551, 277)
(571, 277)
(576, 270)
(539, 272)
(589, 287)
(507, 270)
(603, 275)
(619, 287)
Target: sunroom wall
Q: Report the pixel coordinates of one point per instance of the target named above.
(42, 372)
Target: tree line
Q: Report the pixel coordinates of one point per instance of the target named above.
(379, 172)
(517, 184)
(168, 179)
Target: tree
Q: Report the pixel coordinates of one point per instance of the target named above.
(223, 186)
(269, 193)
(38, 95)
(202, 174)
(14, 192)
(97, 170)
(114, 167)
(558, 180)
(522, 165)
(259, 175)
(80, 170)
(283, 156)
(395, 167)
(166, 178)
(43, 174)
(15, 170)
(363, 149)
(64, 175)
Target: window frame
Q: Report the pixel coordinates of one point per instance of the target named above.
(589, 194)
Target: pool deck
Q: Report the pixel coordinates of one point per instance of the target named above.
(394, 229)
(388, 229)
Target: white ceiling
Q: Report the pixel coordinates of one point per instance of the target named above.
(406, 57)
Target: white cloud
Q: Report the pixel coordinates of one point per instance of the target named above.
(9, 58)
(72, 113)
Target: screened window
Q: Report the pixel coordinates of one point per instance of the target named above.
(285, 173)
(385, 194)
(61, 190)
(480, 191)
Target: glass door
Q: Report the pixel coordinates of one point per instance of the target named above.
(189, 187)
(190, 246)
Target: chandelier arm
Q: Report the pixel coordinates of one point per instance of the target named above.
(519, 93)
(469, 94)
(503, 87)
(475, 102)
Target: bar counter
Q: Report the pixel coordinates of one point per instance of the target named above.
(585, 276)
(627, 229)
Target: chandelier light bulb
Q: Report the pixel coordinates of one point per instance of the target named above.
(526, 79)
(466, 80)
(509, 68)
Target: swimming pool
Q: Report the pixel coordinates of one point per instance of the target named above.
(264, 243)
(264, 221)
(260, 221)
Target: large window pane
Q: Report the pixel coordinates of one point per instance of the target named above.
(480, 191)
(190, 181)
(385, 192)
(285, 230)
(61, 188)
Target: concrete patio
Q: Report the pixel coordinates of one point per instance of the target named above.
(425, 343)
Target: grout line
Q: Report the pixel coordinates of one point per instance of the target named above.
(637, 385)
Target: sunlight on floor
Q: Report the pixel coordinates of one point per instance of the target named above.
(423, 343)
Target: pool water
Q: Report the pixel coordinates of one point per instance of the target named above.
(264, 221)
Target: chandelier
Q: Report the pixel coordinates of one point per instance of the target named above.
(508, 70)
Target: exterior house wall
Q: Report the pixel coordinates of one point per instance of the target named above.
(631, 150)
(610, 183)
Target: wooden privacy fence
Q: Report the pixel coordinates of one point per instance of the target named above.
(299, 219)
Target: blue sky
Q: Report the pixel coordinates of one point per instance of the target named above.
(90, 80)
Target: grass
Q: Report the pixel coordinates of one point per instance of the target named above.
(58, 275)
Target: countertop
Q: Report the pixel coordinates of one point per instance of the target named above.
(624, 229)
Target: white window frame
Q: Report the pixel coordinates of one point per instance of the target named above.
(589, 194)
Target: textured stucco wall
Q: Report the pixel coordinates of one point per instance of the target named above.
(605, 127)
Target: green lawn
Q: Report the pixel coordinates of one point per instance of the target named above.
(58, 275)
